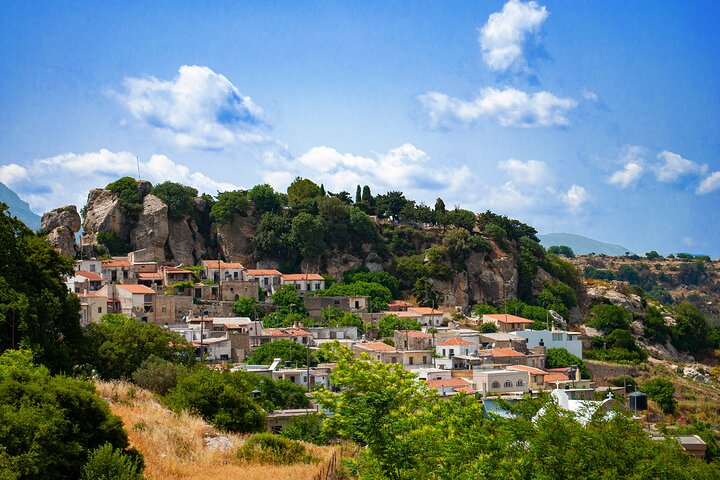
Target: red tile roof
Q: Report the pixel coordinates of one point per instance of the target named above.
(116, 263)
(296, 332)
(399, 303)
(426, 310)
(505, 352)
(93, 277)
(467, 389)
(449, 382)
(274, 332)
(176, 270)
(260, 273)
(507, 318)
(137, 289)
(556, 377)
(219, 264)
(377, 346)
(530, 370)
(94, 295)
(296, 277)
(149, 276)
(415, 334)
(455, 341)
(407, 314)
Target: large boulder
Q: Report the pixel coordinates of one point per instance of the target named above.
(63, 239)
(181, 241)
(338, 264)
(66, 216)
(611, 293)
(104, 213)
(151, 231)
(234, 239)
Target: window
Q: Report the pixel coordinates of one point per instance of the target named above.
(495, 384)
(235, 275)
(99, 309)
(297, 286)
(317, 286)
(265, 281)
(357, 305)
(393, 359)
(519, 383)
(411, 361)
(452, 353)
(508, 383)
(557, 337)
(424, 359)
(92, 268)
(163, 309)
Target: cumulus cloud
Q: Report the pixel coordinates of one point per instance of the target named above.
(590, 95)
(404, 168)
(709, 184)
(67, 178)
(198, 109)
(575, 198)
(532, 172)
(628, 176)
(508, 107)
(505, 34)
(12, 173)
(675, 166)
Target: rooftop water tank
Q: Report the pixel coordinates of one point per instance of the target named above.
(638, 401)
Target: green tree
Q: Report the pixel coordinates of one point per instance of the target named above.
(131, 197)
(49, 425)
(389, 323)
(563, 250)
(334, 317)
(286, 298)
(653, 255)
(245, 307)
(559, 358)
(691, 329)
(378, 295)
(440, 212)
(36, 309)
(222, 398)
(158, 375)
(118, 345)
(383, 278)
(265, 199)
(307, 234)
(390, 204)
(284, 349)
(358, 195)
(662, 391)
(610, 317)
(179, 199)
(302, 192)
(228, 205)
(108, 463)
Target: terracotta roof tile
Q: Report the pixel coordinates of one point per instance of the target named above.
(530, 370)
(426, 310)
(137, 289)
(377, 346)
(93, 277)
(219, 264)
(116, 263)
(449, 382)
(505, 352)
(415, 334)
(455, 341)
(555, 377)
(295, 277)
(507, 318)
(260, 273)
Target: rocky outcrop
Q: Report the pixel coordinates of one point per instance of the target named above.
(104, 213)
(631, 302)
(234, 239)
(62, 224)
(184, 241)
(338, 264)
(151, 231)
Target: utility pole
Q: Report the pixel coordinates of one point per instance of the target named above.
(202, 333)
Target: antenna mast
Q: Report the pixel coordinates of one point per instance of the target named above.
(137, 159)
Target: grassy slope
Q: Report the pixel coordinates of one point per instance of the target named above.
(173, 445)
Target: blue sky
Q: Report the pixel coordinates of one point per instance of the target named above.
(595, 118)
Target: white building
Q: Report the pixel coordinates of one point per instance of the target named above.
(268, 280)
(304, 282)
(570, 341)
(498, 381)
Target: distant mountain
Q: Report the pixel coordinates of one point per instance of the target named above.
(582, 245)
(18, 208)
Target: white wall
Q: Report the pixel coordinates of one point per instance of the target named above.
(556, 339)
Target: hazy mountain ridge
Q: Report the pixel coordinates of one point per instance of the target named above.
(582, 245)
(19, 208)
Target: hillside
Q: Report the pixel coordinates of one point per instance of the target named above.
(440, 257)
(184, 446)
(19, 208)
(582, 245)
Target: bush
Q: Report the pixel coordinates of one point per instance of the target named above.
(378, 295)
(157, 375)
(487, 327)
(179, 198)
(308, 429)
(610, 317)
(661, 391)
(130, 196)
(389, 323)
(108, 463)
(115, 244)
(284, 349)
(228, 205)
(49, 424)
(245, 307)
(559, 357)
(269, 449)
(222, 398)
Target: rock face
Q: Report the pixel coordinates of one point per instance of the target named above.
(62, 224)
(338, 264)
(151, 232)
(184, 240)
(234, 239)
(104, 213)
(631, 302)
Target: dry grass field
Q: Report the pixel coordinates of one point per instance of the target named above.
(174, 444)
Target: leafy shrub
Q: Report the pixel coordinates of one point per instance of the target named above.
(308, 429)
(383, 278)
(610, 317)
(108, 463)
(157, 375)
(389, 323)
(378, 295)
(266, 448)
(114, 243)
(228, 205)
(661, 391)
(334, 317)
(482, 308)
(245, 307)
(285, 349)
(179, 198)
(488, 327)
(129, 194)
(559, 357)
(265, 199)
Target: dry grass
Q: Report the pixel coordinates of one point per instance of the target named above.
(174, 444)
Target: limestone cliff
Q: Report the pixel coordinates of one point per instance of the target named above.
(61, 225)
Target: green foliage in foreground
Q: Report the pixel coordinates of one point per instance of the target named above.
(411, 434)
(269, 449)
(661, 391)
(108, 463)
(559, 357)
(50, 424)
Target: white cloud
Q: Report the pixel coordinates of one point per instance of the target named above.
(575, 198)
(504, 35)
(628, 176)
(709, 184)
(532, 172)
(675, 166)
(67, 178)
(590, 95)
(198, 109)
(405, 168)
(508, 107)
(12, 173)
